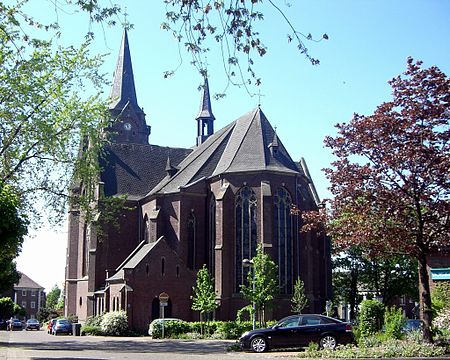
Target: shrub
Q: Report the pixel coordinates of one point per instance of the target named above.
(94, 320)
(442, 320)
(370, 317)
(394, 320)
(440, 295)
(114, 323)
(91, 330)
(172, 329)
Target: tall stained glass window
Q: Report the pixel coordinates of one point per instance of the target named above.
(282, 238)
(246, 232)
(191, 241)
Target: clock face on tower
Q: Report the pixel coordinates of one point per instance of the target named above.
(127, 126)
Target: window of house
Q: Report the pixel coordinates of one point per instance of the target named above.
(163, 266)
(282, 238)
(24, 293)
(24, 304)
(33, 293)
(178, 271)
(246, 232)
(32, 305)
(191, 241)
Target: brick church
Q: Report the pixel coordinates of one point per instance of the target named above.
(210, 204)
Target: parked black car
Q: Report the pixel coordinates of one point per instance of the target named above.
(298, 331)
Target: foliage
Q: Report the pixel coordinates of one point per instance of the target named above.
(299, 299)
(53, 297)
(13, 228)
(233, 27)
(440, 295)
(94, 320)
(390, 196)
(442, 320)
(370, 317)
(265, 281)
(204, 296)
(388, 349)
(44, 118)
(114, 323)
(388, 277)
(44, 314)
(219, 329)
(8, 308)
(393, 323)
(91, 330)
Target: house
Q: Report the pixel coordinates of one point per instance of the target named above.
(28, 294)
(210, 204)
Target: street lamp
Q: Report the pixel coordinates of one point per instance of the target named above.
(249, 263)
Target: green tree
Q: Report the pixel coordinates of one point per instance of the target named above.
(8, 308)
(299, 300)
(13, 228)
(204, 296)
(262, 283)
(53, 297)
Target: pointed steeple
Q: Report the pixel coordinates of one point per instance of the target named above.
(205, 117)
(123, 89)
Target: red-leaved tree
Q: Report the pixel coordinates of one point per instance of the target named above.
(391, 181)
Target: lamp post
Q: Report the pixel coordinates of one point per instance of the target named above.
(249, 263)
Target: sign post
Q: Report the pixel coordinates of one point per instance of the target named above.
(163, 302)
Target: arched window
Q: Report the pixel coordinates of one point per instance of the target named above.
(212, 234)
(146, 229)
(246, 232)
(191, 241)
(283, 237)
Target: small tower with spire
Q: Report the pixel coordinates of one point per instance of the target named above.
(205, 118)
(130, 125)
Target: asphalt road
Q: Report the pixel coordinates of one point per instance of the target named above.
(38, 345)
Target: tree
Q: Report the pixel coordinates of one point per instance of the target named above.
(299, 300)
(204, 296)
(53, 297)
(354, 272)
(13, 228)
(262, 283)
(8, 308)
(44, 118)
(390, 181)
(232, 29)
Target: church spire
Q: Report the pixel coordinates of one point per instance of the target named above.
(123, 89)
(205, 117)
(130, 125)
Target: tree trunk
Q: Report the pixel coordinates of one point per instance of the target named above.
(425, 298)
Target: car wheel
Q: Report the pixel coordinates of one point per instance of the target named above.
(328, 342)
(258, 344)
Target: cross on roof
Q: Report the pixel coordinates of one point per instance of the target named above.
(126, 24)
(259, 97)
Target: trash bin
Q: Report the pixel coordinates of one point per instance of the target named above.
(76, 329)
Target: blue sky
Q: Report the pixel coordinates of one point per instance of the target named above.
(369, 41)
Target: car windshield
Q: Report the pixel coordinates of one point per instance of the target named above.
(63, 321)
(32, 321)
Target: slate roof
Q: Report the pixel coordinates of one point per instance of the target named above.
(205, 103)
(135, 169)
(123, 89)
(26, 283)
(242, 146)
(133, 259)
